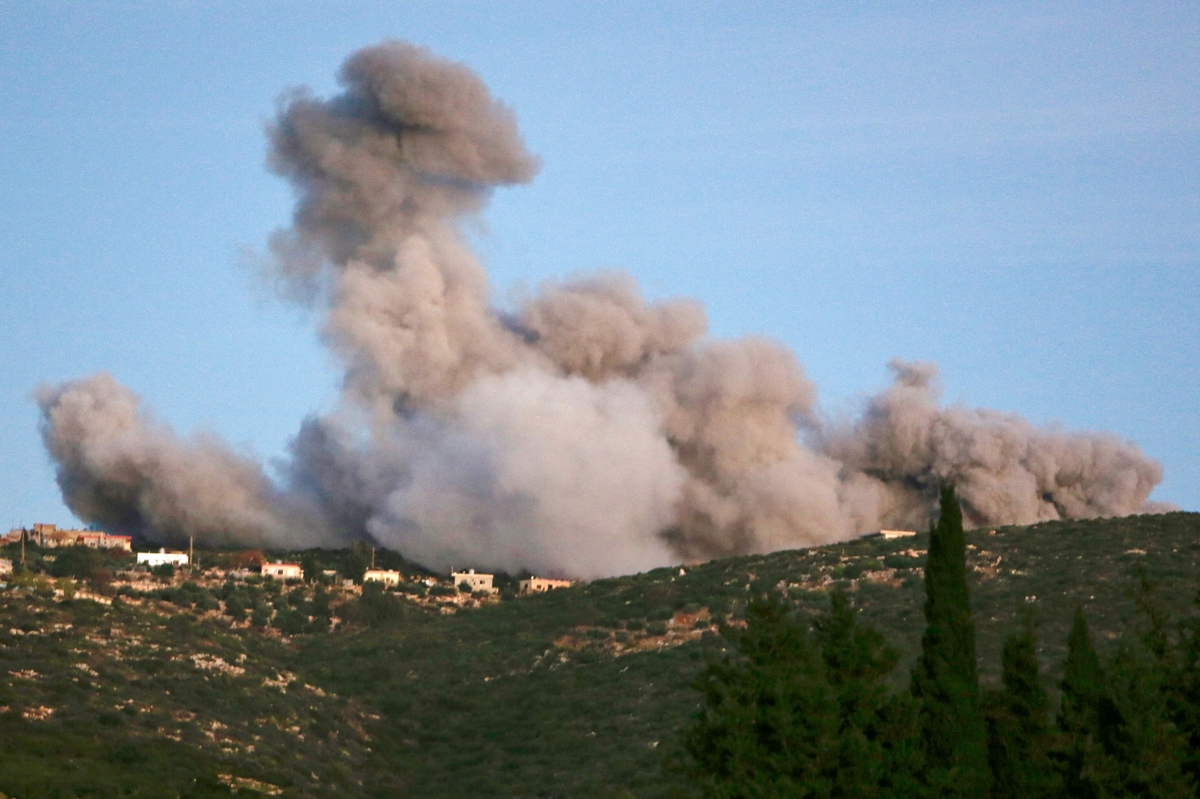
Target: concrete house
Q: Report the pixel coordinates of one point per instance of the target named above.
(477, 581)
(283, 571)
(538, 585)
(162, 556)
(385, 576)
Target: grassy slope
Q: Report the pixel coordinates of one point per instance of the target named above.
(552, 695)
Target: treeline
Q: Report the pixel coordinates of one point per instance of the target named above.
(807, 709)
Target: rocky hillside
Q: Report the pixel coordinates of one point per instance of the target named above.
(214, 683)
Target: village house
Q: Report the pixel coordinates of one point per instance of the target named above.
(5, 567)
(538, 585)
(385, 576)
(49, 536)
(283, 571)
(476, 581)
(153, 559)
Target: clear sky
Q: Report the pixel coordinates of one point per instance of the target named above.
(1011, 190)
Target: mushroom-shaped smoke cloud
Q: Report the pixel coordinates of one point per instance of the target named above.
(588, 433)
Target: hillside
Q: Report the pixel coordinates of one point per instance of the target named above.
(578, 692)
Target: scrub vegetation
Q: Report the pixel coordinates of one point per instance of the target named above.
(214, 681)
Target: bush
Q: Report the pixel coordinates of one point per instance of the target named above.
(291, 622)
(660, 613)
(261, 615)
(375, 607)
(656, 628)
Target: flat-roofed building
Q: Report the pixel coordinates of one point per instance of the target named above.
(153, 559)
(539, 585)
(49, 536)
(5, 567)
(476, 580)
(385, 576)
(283, 571)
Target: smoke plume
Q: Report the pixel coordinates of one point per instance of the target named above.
(586, 433)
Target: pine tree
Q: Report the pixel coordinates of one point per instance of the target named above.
(1019, 736)
(878, 750)
(769, 724)
(1118, 737)
(1183, 691)
(945, 679)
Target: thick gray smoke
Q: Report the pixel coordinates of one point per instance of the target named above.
(587, 433)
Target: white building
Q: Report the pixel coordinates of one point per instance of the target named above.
(538, 585)
(5, 567)
(162, 556)
(897, 533)
(478, 582)
(283, 571)
(385, 576)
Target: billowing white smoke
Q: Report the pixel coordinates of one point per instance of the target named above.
(587, 433)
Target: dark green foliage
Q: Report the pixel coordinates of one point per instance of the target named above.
(878, 747)
(85, 563)
(291, 622)
(945, 679)
(770, 720)
(1117, 736)
(796, 713)
(1018, 725)
(1182, 688)
(376, 607)
(513, 699)
(358, 561)
(312, 569)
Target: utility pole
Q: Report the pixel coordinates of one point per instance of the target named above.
(191, 553)
(372, 557)
(22, 546)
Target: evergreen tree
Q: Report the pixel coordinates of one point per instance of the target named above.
(770, 720)
(1183, 692)
(1118, 738)
(1018, 725)
(945, 679)
(878, 750)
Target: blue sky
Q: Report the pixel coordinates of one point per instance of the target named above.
(1010, 190)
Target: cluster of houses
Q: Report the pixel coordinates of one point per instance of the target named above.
(49, 536)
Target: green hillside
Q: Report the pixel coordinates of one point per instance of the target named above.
(581, 692)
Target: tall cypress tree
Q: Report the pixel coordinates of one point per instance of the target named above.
(945, 679)
(1019, 737)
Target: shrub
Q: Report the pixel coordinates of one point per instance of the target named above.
(657, 628)
(291, 622)
(660, 613)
